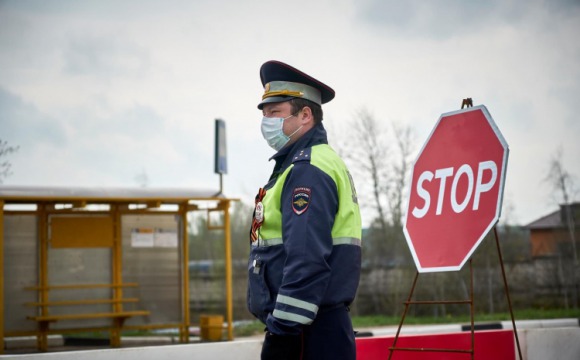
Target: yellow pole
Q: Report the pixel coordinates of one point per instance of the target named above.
(228, 255)
(184, 332)
(117, 254)
(1, 277)
(117, 278)
(42, 336)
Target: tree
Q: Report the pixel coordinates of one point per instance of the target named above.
(378, 154)
(5, 165)
(369, 156)
(563, 187)
(384, 167)
(381, 158)
(405, 140)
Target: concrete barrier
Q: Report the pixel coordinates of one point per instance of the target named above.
(541, 324)
(550, 343)
(234, 350)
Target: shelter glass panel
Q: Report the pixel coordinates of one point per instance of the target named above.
(84, 266)
(20, 271)
(152, 259)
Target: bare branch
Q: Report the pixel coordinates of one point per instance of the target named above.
(405, 140)
(5, 166)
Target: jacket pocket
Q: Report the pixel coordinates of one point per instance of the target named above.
(259, 298)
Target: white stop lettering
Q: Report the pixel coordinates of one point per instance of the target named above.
(464, 171)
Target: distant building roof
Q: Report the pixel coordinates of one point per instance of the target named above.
(550, 221)
(554, 219)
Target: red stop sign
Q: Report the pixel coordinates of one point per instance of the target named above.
(456, 189)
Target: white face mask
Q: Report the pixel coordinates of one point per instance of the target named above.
(273, 133)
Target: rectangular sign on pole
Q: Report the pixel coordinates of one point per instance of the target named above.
(221, 159)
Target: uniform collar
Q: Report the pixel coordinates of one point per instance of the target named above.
(314, 136)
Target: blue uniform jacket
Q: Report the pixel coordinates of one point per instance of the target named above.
(306, 274)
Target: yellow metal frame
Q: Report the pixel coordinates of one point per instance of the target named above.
(228, 256)
(184, 328)
(226, 227)
(118, 206)
(41, 337)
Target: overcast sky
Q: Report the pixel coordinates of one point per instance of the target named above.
(97, 92)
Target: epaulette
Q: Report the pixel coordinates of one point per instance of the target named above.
(302, 155)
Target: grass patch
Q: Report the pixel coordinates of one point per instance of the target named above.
(249, 328)
(524, 314)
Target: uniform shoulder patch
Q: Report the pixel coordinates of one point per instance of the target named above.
(301, 200)
(302, 155)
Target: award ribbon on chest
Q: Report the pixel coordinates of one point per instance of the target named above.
(258, 217)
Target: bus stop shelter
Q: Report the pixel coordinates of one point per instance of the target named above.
(101, 259)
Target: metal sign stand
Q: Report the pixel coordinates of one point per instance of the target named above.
(469, 301)
(507, 291)
(410, 301)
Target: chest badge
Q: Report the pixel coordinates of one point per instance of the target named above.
(258, 217)
(301, 200)
(259, 212)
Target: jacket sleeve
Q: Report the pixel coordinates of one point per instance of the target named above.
(309, 205)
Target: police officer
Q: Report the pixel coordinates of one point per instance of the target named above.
(305, 257)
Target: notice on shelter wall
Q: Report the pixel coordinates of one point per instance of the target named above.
(153, 238)
(166, 239)
(142, 238)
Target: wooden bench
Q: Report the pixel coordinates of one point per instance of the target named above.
(81, 286)
(118, 316)
(83, 302)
